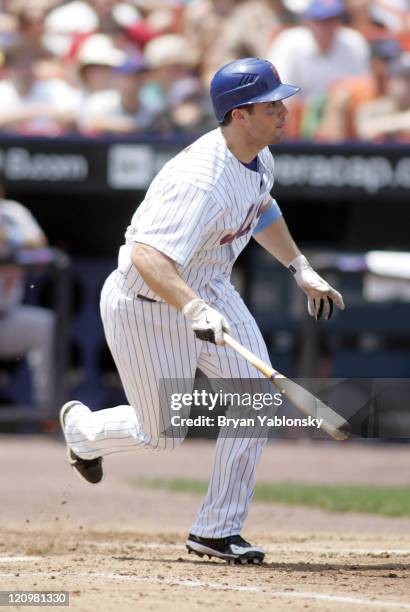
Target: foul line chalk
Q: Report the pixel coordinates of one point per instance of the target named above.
(302, 595)
(269, 549)
(18, 559)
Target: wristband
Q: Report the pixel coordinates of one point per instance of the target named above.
(271, 215)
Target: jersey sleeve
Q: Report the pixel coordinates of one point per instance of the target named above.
(175, 219)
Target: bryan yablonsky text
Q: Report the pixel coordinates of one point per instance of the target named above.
(257, 421)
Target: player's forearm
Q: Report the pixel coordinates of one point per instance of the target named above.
(276, 239)
(160, 274)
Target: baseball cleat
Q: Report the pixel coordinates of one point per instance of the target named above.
(233, 549)
(89, 470)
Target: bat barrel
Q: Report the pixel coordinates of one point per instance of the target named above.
(332, 423)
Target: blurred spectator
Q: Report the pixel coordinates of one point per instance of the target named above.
(394, 14)
(250, 30)
(127, 28)
(9, 35)
(203, 27)
(163, 17)
(30, 17)
(96, 59)
(190, 107)
(381, 18)
(30, 21)
(362, 18)
(119, 110)
(240, 29)
(169, 58)
(338, 122)
(24, 330)
(29, 104)
(77, 45)
(315, 56)
(321, 51)
(65, 24)
(388, 116)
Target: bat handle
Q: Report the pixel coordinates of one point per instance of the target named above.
(266, 370)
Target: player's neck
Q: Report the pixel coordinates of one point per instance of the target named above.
(240, 147)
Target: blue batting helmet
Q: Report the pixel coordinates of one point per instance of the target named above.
(247, 81)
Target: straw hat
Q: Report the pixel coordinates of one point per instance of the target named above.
(168, 50)
(99, 50)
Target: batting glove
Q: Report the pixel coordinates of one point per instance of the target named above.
(320, 294)
(207, 323)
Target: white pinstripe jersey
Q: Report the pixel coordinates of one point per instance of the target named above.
(200, 210)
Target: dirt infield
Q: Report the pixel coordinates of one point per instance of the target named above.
(117, 547)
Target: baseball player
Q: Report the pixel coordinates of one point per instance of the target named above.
(166, 306)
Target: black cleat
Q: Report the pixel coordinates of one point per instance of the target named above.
(89, 470)
(233, 549)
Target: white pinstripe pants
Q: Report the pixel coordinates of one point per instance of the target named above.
(153, 341)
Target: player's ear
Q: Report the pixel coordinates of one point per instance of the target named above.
(238, 115)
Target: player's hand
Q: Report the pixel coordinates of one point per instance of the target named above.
(321, 296)
(207, 323)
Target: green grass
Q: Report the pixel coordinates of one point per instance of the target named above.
(387, 501)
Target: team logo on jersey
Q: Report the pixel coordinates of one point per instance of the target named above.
(253, 213)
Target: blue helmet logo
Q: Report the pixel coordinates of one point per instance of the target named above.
(247, 81)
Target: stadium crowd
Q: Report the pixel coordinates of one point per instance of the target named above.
(108, 66)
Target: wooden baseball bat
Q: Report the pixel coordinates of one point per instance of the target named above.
(309, 405)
